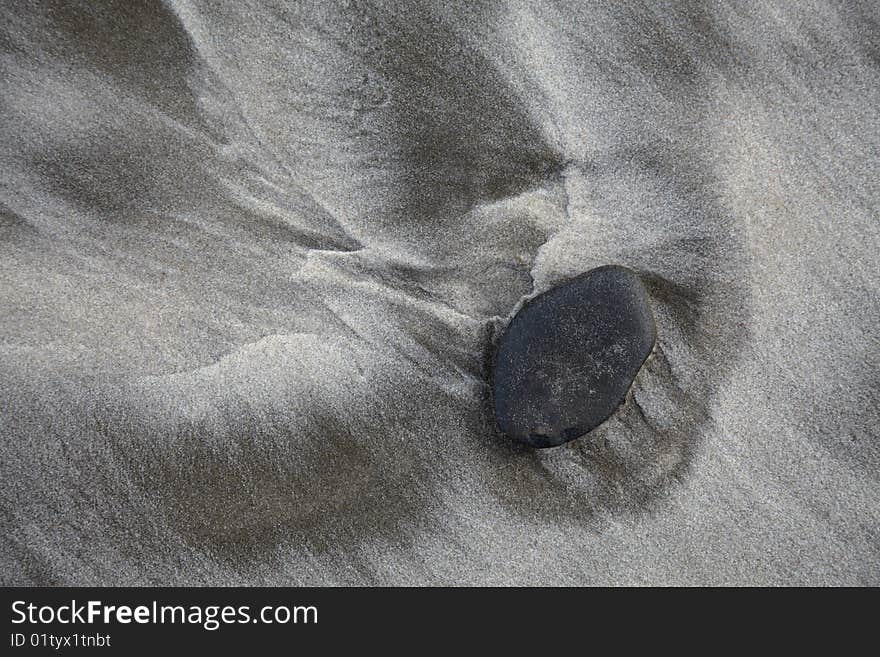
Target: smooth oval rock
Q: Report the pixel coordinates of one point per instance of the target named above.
(567, 359)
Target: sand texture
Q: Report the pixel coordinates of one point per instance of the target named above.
(254, 257)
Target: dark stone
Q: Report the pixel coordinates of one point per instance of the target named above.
(569, 356)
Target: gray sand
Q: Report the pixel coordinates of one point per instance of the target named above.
(253, 256)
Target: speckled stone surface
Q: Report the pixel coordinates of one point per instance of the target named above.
(567, 359)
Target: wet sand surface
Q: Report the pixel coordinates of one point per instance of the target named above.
(254, 257)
